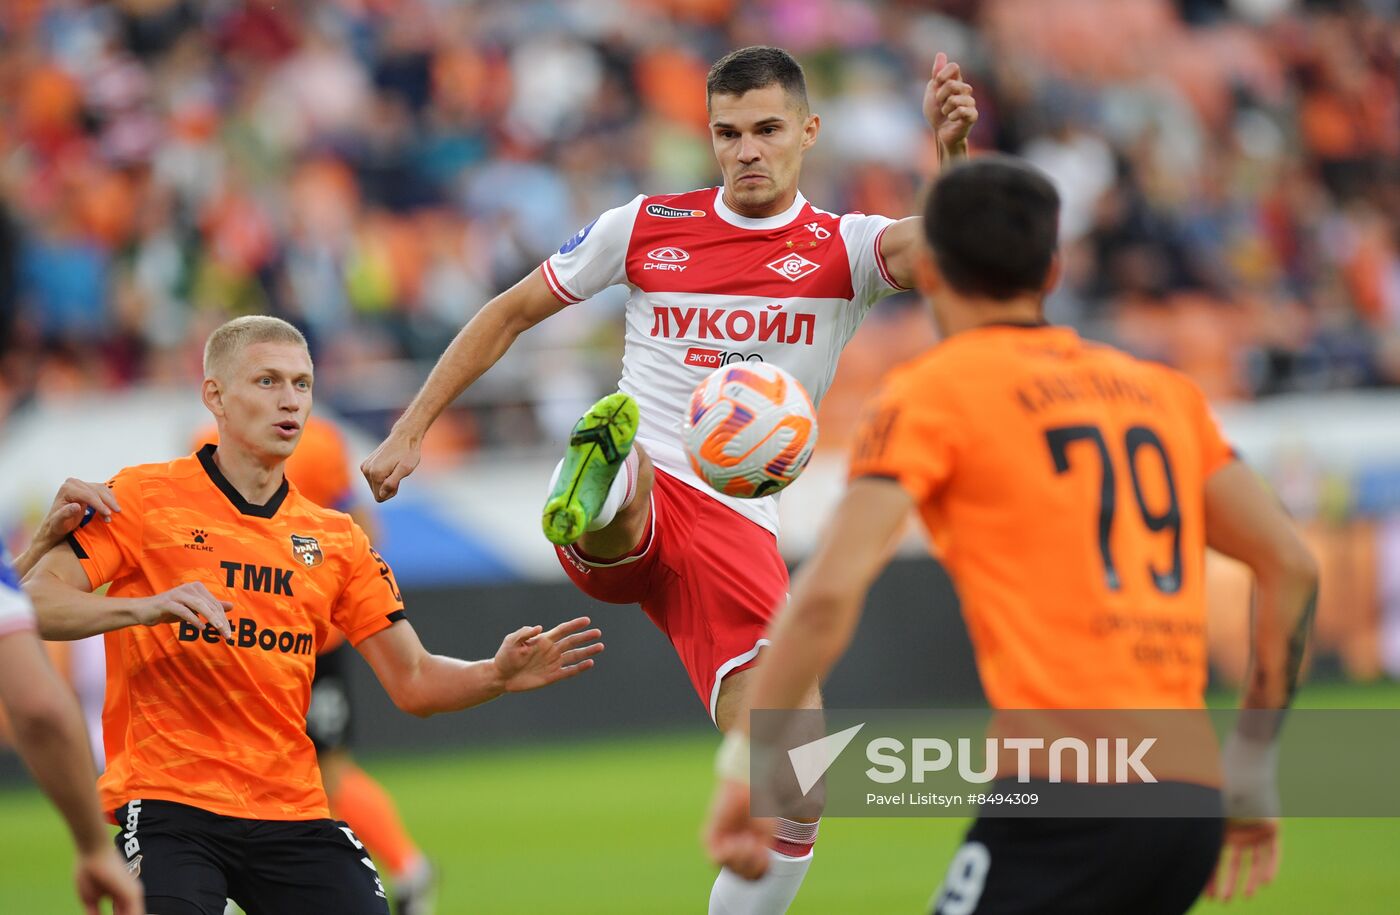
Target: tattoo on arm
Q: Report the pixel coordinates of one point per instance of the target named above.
(1297, 646)
(1264, 721)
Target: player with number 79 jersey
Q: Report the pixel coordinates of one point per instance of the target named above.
(746, 272)
(1070, 491)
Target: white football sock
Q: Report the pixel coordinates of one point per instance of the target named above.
(769, 895)
(620, 493)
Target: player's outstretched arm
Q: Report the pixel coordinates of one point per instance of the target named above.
(49, 735)
(951, 112)
(1245, 522)
(426, 684)
(66, 608)
(74, 499)
(476, 348)
(807, 638)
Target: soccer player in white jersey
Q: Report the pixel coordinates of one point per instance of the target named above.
(747, 271)
(48, 727)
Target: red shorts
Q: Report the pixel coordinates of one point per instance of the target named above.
(708, 577)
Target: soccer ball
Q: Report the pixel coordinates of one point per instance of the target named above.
(750, 429)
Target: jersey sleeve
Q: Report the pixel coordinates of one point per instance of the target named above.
(107, 550)
(908, 436)
(16, 613)
(1216, 451)
(870, 275)
(594, 258)
(370, 601)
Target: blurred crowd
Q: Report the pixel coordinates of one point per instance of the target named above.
(375, 170)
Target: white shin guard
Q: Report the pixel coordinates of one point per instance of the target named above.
(769, 895)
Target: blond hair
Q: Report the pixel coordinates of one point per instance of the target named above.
(230, 339)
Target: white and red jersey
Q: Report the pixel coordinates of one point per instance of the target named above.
(710, 287)
(16, 613)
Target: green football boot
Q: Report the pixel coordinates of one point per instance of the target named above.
(598, 445)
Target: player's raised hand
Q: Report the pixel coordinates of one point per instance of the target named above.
(395, 458)
(949, 106)
(530, 657)
(102, 875)
(1259, 842)
(74, 499)
(191, 603)
(732, 837)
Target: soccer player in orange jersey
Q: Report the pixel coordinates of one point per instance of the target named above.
(1063, 484)
(321, 468)
(223, 577)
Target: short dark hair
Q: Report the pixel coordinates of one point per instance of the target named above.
(756, 68)
(993, 225)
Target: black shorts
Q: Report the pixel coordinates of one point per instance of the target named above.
(330, 714)
(191, 860)
(1080, 865)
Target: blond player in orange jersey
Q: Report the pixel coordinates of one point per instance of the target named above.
(321, 468)
(223, 579)
(1063, 484)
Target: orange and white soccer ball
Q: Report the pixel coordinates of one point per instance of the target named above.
(749, 430)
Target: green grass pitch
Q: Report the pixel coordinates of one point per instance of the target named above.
(611, 827)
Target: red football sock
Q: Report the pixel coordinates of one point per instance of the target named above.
(363, 803)
(793, 838)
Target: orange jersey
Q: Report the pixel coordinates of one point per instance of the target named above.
(1062, 486)
(192, 719)
(320, 468)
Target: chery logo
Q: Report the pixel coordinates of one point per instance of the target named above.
(667, 258)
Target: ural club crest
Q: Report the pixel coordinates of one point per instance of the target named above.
(792, 266)
(307, 551)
